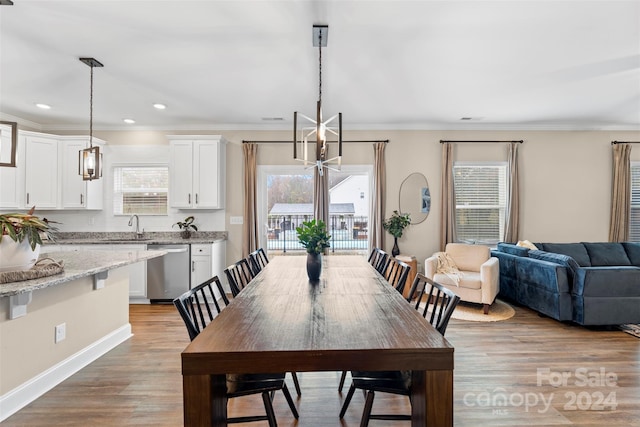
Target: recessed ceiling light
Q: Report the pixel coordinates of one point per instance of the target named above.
(471, 118)
(159, 106)
(43, 106)
(129, 121)
(272, 119)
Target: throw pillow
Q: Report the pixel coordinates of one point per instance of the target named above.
(527, 244)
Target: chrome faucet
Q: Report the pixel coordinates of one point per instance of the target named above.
(138, 232)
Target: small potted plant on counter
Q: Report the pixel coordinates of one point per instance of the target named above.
(20, 239)
(314, 238)
(186, 226)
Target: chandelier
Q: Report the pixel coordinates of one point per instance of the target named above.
(318, 128)
(90, 159)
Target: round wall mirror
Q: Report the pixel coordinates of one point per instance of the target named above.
(415, 198)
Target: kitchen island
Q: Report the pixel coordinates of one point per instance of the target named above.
(53, 326)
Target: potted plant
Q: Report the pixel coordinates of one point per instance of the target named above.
(314, 238)
(186, 226)
(395, 225)
(20, 239)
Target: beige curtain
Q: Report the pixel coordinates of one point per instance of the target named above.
(512, 214)
(621, 194)
(448, 199)
(376, 232)
(250, 240)
(321, 196)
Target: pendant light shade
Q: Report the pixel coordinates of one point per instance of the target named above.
(90, 159)
(90, 162)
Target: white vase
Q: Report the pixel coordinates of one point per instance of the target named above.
(17, 256)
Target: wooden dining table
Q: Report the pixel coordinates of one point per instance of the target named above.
(351, 319)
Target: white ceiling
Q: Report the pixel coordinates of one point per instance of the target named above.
(388, 64)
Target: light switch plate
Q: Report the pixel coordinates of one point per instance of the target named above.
(236, 220)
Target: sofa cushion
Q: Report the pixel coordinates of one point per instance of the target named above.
(577, 251)
(563, 260)
(606, 254)
(510, 248)
(633, 252)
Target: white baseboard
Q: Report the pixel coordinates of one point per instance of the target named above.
(21, 396)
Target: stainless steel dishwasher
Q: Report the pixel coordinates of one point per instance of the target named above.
(168, 276)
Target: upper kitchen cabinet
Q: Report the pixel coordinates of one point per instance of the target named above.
(197, 171)
(41, 171)
(12, 180)
(76, 193)
(46, 175)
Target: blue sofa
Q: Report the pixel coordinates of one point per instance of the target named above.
(587, 283)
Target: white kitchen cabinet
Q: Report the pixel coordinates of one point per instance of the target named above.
(200, 264)
(75, 192)
(207, 260)
(46, 175)
(41, 172)
(197, 172)
(12, 180)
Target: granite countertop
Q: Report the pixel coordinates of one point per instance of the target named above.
(78, 265)
(147, 238)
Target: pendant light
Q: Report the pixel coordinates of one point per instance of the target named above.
(321, 128)
(90, 159)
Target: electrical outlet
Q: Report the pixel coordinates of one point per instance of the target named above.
(236, 220)
(61, 332)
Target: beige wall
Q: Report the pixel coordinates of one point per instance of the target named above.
(565, 176)
(27, 343)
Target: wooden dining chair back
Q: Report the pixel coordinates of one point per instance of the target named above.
(435, 302)
(258, 260)
(397, 273)
(379, 259)
(438, 313)
(195, 308)
(239, 275)
(196, 305)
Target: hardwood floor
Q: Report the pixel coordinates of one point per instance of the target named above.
(139, 382)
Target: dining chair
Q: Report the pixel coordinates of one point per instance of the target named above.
(239, 275)
(195, 308)
(397, 273)
(379, 259)
(439, 303)
(258, 260)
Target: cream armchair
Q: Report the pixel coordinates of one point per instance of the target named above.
(477, 280)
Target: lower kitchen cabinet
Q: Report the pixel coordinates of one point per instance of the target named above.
(207, 260)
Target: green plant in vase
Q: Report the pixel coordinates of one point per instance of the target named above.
(395, 225)
(313, 236)
(187, 226)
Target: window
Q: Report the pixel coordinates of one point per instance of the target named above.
(140, 190)
(481, 194)
(634, 219)
(285, 200)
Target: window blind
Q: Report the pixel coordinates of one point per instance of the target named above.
(140, 190)
(634, 219)
(480, 195)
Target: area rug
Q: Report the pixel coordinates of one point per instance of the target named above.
(498, 311)
(631, 329)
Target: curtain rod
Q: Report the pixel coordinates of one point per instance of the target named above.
(443, 141)
(386, 141)
(624, 142)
